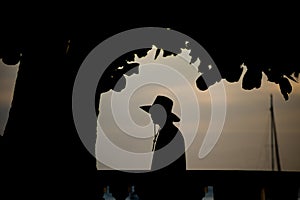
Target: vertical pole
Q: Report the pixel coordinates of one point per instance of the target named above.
(274, 137)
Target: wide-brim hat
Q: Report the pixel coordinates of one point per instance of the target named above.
(166, 103)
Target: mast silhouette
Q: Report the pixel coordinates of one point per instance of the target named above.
(274, 142)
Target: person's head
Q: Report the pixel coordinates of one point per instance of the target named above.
(161, 111)
(158, 114)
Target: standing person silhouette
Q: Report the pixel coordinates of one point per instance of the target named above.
(168, 143)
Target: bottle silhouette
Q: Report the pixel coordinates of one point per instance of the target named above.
(107, 195)
(209, 193)
(132, 194)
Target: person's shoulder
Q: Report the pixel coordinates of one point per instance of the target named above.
(176, 129)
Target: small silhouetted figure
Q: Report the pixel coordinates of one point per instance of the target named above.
(168, 143)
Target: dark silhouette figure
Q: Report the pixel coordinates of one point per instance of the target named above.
(169, 160)
(169, 148)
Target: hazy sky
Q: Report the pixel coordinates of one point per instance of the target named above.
(245, 140)
(8, 76)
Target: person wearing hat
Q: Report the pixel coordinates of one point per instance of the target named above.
(168, 144)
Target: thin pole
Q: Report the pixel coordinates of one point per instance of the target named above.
(272, 135)
(274, 139)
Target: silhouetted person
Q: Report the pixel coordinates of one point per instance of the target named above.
(169, 145)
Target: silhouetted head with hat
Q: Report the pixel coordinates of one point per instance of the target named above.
(168, 139)
(161, 111)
